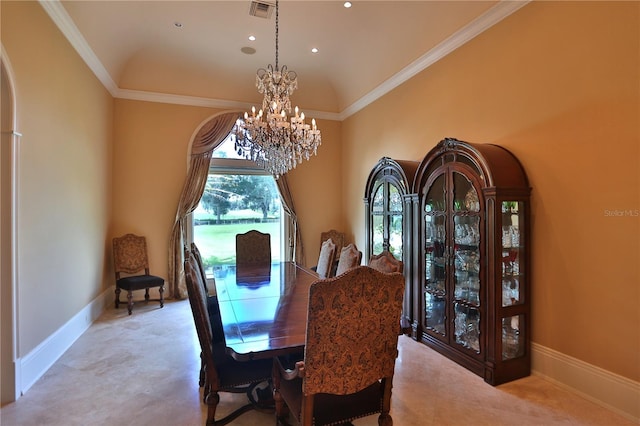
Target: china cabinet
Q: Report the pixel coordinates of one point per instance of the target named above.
(471, 289)
(388, 202)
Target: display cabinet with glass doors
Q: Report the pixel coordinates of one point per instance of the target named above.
(388, 221)
(471, 225)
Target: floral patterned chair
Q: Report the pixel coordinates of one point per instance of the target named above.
(350, 257)
(129, 259)
(222, 372)
(350, 351)
(385, 262)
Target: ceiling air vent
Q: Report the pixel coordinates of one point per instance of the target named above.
(261, 9)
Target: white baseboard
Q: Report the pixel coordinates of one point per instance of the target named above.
(603, 387)
(32, 366)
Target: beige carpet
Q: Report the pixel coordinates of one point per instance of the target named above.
(143, 370)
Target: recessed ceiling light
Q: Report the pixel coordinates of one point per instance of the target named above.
(248, 50)
(252, 38)
(347, 4)
(314, 50)
(177, 24)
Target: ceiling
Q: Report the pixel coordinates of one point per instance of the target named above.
(191, 52)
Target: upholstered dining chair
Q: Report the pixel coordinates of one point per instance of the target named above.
(222, 372)
(350, 257)
(386, 262)
(253, 257)
(213, 307)
(350, 351)
(337, 237)
(253, 248)
(131, 265)
(326, 259)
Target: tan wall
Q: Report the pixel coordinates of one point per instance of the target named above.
(64, 174)
(150, 165)
(557, 84)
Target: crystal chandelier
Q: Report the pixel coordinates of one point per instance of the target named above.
(269, 137)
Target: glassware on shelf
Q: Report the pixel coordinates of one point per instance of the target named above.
(467, 326)
(435, 312)
(510, 291)
(512, 339)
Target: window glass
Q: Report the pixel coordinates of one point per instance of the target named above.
(238, 197)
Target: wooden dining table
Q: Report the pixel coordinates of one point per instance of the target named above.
(264, 311)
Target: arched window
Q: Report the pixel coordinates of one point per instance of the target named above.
(239, 196)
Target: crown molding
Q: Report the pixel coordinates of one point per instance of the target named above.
(497, 13)
(482, 23)
(140, 95)
(65, 24)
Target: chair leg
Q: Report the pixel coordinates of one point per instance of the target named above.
(162, 296)
(118, 297)
(146, 294)
(130, 301)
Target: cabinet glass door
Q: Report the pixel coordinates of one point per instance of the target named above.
(513, 251)
(435, 227)
(386, 219)
(377, 218)
(466, 261)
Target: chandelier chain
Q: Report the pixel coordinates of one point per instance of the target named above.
(268, 137)
(277, 19)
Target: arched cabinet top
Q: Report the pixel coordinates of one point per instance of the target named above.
(496, 166)
(399, 172)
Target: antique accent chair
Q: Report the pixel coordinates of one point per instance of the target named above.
(350, 257)
(326, 259)
(350, 351)
(222, 372)
(386, 262)
(129, 260)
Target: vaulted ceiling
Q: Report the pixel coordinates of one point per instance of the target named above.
(195, 52)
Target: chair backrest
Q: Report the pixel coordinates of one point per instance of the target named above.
(253, 248)
(198, 302)
(130, 255)
(198, 257)
(337, 237)
(350, 257)
(352, 331)
(386, 262)
(326, 259)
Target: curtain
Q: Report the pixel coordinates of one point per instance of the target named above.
(295, 242)
(210, 135)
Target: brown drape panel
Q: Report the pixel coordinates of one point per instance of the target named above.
(206, 140)
(295, 244)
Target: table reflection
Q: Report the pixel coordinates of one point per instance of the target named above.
(263, 311)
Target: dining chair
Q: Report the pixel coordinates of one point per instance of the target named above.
(350, 257)
(350, 352)
(253, 257)
(253, 248)
(131, 265)
(337, 237)
(222, 372)
(326, 259)
(386, 262)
